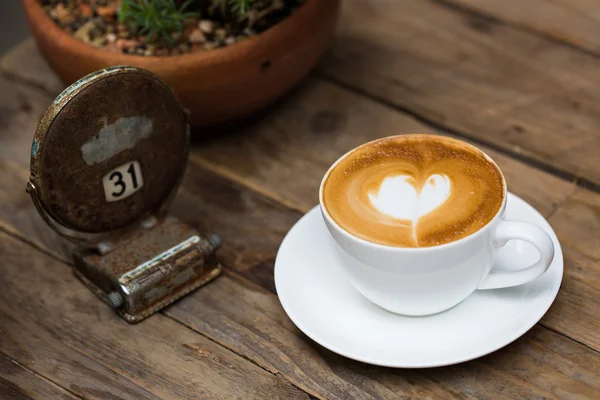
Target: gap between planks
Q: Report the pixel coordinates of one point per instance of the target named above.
(26, 82)
(560, 173)
(557, 206)
(565, 336)
(9, 385)
(463, 9)
(42, 377)
(486, 366)
(291, 205)
(232, 176)
(239, 180)
(515, 155)
(278, 374)
(17, 236)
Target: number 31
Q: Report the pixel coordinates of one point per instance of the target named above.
(122, 181)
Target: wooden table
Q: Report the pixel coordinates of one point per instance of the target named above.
(519, 79)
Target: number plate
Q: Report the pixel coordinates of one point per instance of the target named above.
(123, 181)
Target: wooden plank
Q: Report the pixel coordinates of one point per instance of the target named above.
(532, 359)
(17, 211)
(515, 90)
(327, 121)
(250, 225)
(540, 364)
(20, 110)
(210, 199)
(261, 332)
(28, 384)
(574, 22)
(239, 216)
(21, 107)
(253, 257)
(54, 326)
(324, 122)
(487, 86)
(288, 153)
(577, 223)
(9, 393)
(213, 204)
(25, 64)
(327, 125)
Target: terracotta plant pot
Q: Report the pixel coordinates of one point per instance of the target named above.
(217, 85)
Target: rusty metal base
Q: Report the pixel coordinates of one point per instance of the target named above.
(141, 273)
(209, 275)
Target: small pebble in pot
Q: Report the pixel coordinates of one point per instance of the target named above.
(107, 12)
(197, 36)
(99, 41)
(220, 33)
(206, 26)
(63, 15)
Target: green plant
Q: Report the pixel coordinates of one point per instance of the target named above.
(243, 12)
(240, 7)
(160, 20)
(164, 20)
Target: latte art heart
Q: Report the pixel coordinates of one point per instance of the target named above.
(413, 191)
(399, 198)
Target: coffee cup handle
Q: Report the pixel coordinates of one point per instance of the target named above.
(508, 230)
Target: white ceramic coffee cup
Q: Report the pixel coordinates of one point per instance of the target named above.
(428, 280)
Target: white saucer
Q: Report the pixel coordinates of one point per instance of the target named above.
(321, 302)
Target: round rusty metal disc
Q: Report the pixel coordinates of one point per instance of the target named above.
(109, 150)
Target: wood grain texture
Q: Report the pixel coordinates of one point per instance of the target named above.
(248, 319)
(252, 226)
(250, 187)
(577, 223)
(21, 107)
(28, 384)
(250, 248)
(20, 110)
(56, 327)
(515, 90)
(540, 364)
(575, 22)
(284, 156)
(262, 332)
(9, 393)
(288, 152)
(327, 121)
(25, 64)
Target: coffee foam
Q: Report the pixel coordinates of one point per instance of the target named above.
(413, 191)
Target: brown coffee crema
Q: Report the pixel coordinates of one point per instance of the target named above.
(471, 187)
